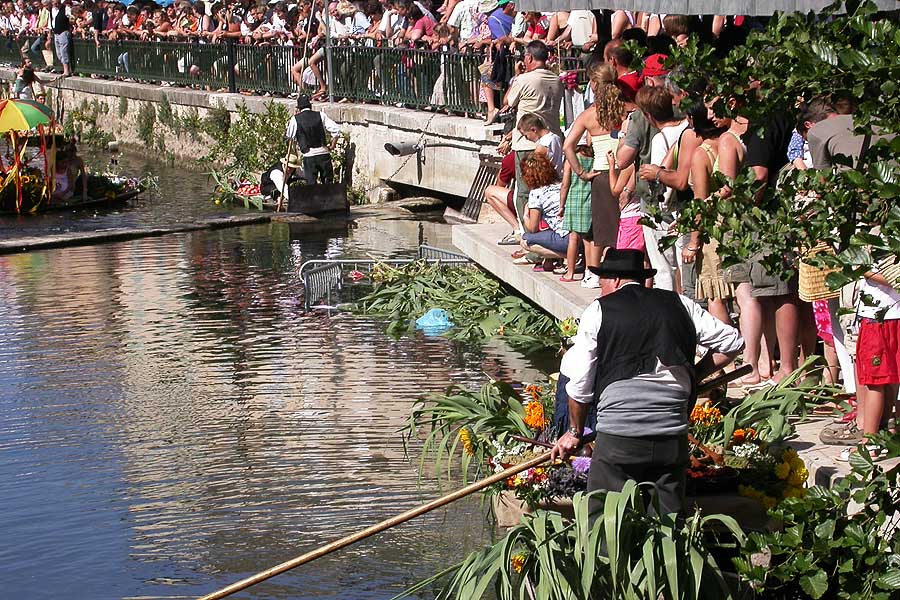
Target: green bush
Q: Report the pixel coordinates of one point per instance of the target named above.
(146, 124)
(251, 142)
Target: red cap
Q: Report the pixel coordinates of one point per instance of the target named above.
(654, 66)
(630, 83)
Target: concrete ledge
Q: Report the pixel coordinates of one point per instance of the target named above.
(562, 300)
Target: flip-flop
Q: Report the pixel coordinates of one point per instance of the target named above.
(567, 279)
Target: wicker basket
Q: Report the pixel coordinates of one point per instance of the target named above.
(812, 279)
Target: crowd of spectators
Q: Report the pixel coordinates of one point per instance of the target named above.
(493, 29)
(641, 150)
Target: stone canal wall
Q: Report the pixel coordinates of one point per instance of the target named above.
(169, 122)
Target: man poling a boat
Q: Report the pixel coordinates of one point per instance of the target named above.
(633, 362)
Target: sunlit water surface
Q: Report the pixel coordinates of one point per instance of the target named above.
(171, 420)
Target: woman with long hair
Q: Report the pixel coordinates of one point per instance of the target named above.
(597, 125)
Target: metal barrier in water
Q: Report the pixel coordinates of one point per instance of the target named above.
(322, 277)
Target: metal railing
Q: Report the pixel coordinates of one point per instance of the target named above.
(405, 76)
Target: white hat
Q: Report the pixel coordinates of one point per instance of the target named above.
(486, 6)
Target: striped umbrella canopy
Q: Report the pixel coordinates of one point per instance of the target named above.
(694, 7)
(22, 115)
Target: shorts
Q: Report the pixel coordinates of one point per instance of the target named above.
(61, 41)
(878, 352)
(631, 235)
(765, 285)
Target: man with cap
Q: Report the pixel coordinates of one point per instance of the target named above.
(307, 129)
(633, 361)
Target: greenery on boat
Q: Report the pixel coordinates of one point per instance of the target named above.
(625, 553)
(839, 542)
(479, 305)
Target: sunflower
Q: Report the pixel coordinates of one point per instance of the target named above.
(465, 436)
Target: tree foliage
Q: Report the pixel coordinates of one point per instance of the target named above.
(855, 210)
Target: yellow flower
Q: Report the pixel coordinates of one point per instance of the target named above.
(782, 470)
(789, 455)
(518, 561)
(794, 492)
(796, 463)
(798, 478)
(534, 415)
(769, 502)
(465, 436)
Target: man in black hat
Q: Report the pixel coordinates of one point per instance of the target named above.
(634, 358)
(307, 128)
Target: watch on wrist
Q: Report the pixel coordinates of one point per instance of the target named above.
(576, 432)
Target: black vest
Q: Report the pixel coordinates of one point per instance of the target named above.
(638, 326)
(310, 130)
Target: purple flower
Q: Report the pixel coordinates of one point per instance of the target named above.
(581, 464)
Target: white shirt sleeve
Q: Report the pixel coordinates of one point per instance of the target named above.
(711, 332)
(290, 131)
(579, 364)
(456, 16)
(330, 126)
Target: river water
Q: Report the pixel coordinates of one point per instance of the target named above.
(171, 420)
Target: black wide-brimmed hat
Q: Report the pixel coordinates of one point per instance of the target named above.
(624, 264)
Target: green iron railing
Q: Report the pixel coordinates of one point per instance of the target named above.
(401, 76)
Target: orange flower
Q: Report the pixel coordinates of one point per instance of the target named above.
(534, 391)
(518, 561)
(705, 415)
(742, 435)
(534, 415)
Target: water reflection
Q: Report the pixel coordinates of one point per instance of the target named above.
(171, 420)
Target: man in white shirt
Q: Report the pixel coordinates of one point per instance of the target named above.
(634, 358)
(461, 19)
(307, 129)
(656, 104)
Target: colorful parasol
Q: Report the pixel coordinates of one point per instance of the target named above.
(22, 115)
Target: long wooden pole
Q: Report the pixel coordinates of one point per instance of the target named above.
(415, 512)
(377, 528)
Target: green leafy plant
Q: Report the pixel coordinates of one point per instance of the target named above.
(774, 411)
(252, 141)
(623, 552)
(845, 58)
(146, 124)
(837, 542)
(460, 419)
(165, 114)
(123, 106)
(478, 304)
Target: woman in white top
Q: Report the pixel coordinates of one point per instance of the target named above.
(609, 111)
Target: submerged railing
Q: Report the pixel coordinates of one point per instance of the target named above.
(321, 276)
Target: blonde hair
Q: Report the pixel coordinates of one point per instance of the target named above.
(608, 101)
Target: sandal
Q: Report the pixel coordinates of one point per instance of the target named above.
(841, 435)
(561, 270)
(519, 253)
(567, 279)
